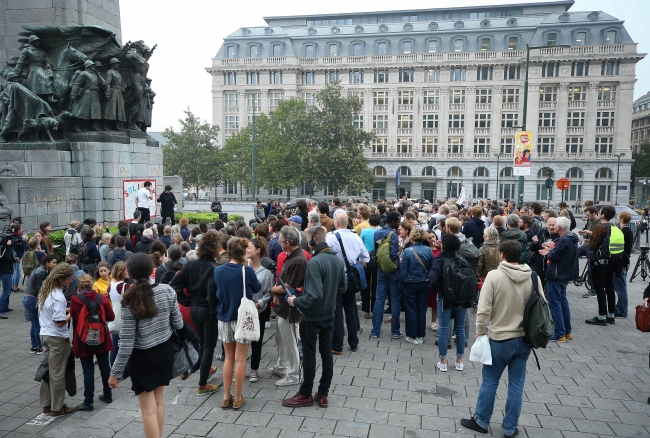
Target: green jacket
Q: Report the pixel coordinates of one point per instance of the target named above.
(520, 236)
(324, 280)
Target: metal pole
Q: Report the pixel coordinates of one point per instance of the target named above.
(618, 167)
(497, 192)
(253, 182)
(523, 125)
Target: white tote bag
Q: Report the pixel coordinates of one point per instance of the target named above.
(481, 351)
(114, 326)
(248, 320)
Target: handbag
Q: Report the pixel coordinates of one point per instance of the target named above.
(114, 326)
(185, 356)
(481, 351)
(248, 321)
(642, 318)
(356, 274)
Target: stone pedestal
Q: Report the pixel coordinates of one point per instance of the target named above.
(76, 179)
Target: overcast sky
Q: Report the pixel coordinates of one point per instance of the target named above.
(189, 36)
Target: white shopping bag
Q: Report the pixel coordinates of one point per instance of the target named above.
(248, 320)
(481, 351)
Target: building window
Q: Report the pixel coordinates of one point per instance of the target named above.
(357, 94)
(380, 121)
(550, 69)
(380, 97)
(606, 92)
(254, 99)
(275, 77)
(459, 45)
(428, 171)
(253, 78)
(575, 118)
(309, 51)
(609, 68)
(331, 76)
(509, 120)
(409, 18)
(551, 39)
(381, 76)
(485, 44)
(429, 146)
(546, 119)
(382, 48)
(574, 145)
(404, 121)
(455, 145)
(455, 172)
(510, 95)
(380, 145)
(333, 50)
(605, 118)
(405, 146)
(484, 74)
(431, 74)
(379, 171)
(511, 73)
(405, 98)
(482, 120)
(548, 94)
(432, 46)
(406, 75)
(356, 76)
(232, 52)
(232, 122)
(484, 95)
(577, 94)
(275, 98)
(308, 78)
(277, 50)
(507, 145)
(610, 37)
(581, 39)
(254, 51)
(481, 145)
(430, 120)
(431, 97)
(604, 172)
(357, 49)
(456, 121)
(231, 99)
(309, 98)
(456, 96)
(230, 78)
(276, 192)
(512, 43)
(545, 145)
(407, 47)
(604, 145)
(579, 69)
(357, 122)
(458, 74)
(229, 188)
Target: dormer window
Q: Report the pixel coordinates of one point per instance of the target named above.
(382, 48)
(277, 49)
(254, 51)
(551, 39)
(309, 51)
(581, 38)
(610, 37)
(232, 52)
(407, 47)
(357, 49)
(485, 44)
(333, 50)
(512, 43)
(458, 45)
(433, 46)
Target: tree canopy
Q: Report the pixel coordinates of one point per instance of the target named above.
(641, 164)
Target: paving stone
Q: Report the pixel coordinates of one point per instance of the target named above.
(352, 429)
(228, 430)
(381, 431)
(318, 425)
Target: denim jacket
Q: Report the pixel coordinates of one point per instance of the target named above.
(411, 271)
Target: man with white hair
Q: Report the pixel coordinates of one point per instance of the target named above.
(355, 251)
(145, 243)
(563, 267)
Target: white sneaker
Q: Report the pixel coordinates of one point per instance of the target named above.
(267, 324)
(453, 336)
(411, 340)
(285, 381)
(434, 326)
(459, 366)
(442, 367)
(420, 340)
(274, 372)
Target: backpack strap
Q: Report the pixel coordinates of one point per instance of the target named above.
(419, 259)
(345, 258)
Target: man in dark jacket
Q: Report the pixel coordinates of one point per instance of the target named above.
(167, 203)
(563, 206)
(324, 281)
(514, 233)
(6, 272)
(475, 227)
(145, 243)
(564, 267)
(538, 261)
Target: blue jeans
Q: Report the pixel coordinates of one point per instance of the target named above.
(347, 303)
(15, 279)
(6, 292)
(386, 283)
(444, 318)
(116, 348)
(89, 376)
(559, 307)
(29, 302)
(416, 298)
(620, 286)
(513, 354)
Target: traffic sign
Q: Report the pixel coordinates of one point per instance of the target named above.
(563, 184)
(549, 183)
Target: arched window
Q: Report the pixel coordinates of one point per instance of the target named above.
(506, 171)
(379, 171)
(604, 172)
(404, 171)
(574, 172)
(551, 39)
(277, 50)
(428, 171)
(455, 172)
(545, 172)
(459, 45)
(407, 47)
(309, 51)
(382, 48)
(357, 49)
(481, 172)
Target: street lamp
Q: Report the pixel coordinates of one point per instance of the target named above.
(523, 122)
(498, 158)
(618, 166)
(253, 182)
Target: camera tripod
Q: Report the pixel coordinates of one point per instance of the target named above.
(643, 263)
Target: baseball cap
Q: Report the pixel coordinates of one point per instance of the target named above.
(297, 219)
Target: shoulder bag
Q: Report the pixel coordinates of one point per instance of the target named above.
(248, 320)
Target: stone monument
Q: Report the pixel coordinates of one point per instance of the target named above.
(74, 108)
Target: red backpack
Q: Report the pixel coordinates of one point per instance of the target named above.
(91, 328)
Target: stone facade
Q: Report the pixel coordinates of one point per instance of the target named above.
(640, 122)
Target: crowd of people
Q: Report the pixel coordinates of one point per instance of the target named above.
(303, 268)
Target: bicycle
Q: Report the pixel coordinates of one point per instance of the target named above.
(582, 279)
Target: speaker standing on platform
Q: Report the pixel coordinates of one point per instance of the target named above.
(142, 202)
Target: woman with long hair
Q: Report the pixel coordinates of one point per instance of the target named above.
(46, 243)
(102, 278)
(53, 318)
(229, 284)
(435, 245)
(256, 250)
(19, 246)
(86, 292)
(149, 314)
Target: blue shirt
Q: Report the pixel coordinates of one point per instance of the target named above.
(368, 237)
(228, 282)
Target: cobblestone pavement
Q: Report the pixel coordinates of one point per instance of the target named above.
(595, 385)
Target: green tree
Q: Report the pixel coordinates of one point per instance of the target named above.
(641, 164)
(193, 153)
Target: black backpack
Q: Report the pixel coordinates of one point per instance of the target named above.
(538, 322)
(82, 252)
(458, 281)
(118, 256)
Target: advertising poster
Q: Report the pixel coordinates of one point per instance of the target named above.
(129, 189)
(523, 151)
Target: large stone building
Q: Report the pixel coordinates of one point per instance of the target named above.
(443, 89)
(640, 122)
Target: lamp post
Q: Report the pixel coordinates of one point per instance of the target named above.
(498, 158)
(253, 182)
(618, 166)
